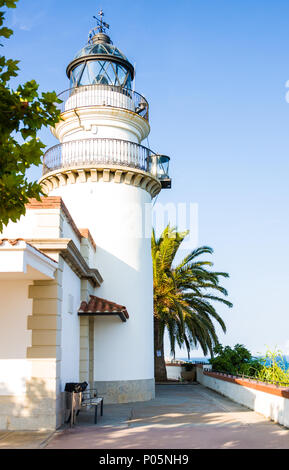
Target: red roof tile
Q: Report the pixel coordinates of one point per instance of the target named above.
(98, 306)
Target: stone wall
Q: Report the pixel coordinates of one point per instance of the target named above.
(126, 391)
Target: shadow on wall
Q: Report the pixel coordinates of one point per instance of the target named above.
(37, 409)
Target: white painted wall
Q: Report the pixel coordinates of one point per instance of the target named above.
(14, 336)
(115, 216)
(102, 122)
(101, 129)
(270, 406)
(173, 372)
(35, 224)
(67, 231)
(41, 223)
(88, 252)
(69, 370)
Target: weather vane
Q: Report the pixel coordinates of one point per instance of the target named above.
(101, 26)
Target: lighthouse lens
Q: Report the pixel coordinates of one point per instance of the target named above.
(96, 72)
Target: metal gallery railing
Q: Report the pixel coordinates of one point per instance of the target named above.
(103, 95)
(96, 151)
(249, 377)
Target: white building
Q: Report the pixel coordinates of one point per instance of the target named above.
(75, 272)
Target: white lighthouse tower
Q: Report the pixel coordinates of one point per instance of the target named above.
(107, 179)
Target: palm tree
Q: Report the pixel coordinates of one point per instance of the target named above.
(182, 298)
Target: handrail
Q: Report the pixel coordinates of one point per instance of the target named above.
(103, 95)
(97, 151)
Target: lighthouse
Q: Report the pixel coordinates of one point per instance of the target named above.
(108, 179)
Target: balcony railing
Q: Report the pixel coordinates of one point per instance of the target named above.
(97, 151)
(104, 95)
(89, 152)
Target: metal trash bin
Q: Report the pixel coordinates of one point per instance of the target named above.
(73, 398)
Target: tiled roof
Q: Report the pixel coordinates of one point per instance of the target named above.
(98, 306)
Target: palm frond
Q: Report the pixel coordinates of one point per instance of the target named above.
(183, 294)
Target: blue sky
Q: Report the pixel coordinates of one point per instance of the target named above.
(215, 73)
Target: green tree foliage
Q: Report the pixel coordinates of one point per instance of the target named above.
(23, 112)
(184, 298)
(234, 361)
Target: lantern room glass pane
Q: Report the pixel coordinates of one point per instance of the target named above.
(111, 74)
(85, 78)
(101, 48)
(121, 73)
(158, 165)
(76, 75)
(100, 72)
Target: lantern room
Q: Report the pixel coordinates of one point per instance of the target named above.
(100, 63)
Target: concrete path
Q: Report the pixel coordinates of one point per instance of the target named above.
(24, 439)
(181, 417)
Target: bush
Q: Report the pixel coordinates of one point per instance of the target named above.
(188, 366)
(235, 361)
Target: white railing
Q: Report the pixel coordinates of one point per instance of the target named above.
(96, 151)
(103, 95)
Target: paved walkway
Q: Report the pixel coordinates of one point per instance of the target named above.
(181, 417)
(24, 439)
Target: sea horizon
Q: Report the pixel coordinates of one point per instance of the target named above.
(207, 359)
